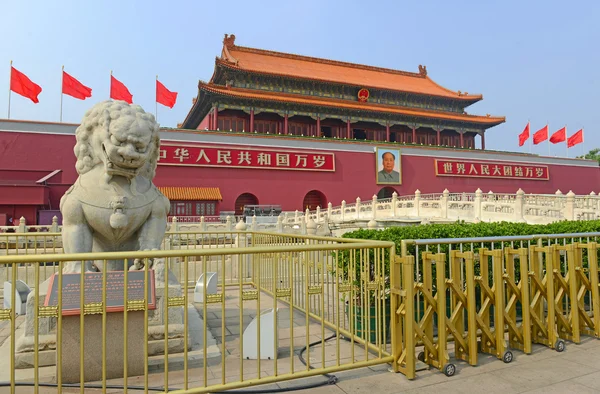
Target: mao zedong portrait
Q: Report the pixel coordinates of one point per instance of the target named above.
(388, 174)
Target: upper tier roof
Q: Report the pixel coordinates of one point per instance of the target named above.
(337, 103)
(284, 64)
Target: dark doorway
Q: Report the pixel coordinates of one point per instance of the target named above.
(326, 131)
(385, 192)
(360, 134)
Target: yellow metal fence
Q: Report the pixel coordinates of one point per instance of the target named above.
(227, 310)
(214, 311)
(463, 297)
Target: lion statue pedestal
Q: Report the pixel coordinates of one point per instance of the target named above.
(113, 206)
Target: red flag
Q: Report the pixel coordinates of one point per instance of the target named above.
(540, 135)
(118, 91)
(559, 136)
(74, 88)
(164, 96)
(524, 136)
(575, 139)
(20, 84)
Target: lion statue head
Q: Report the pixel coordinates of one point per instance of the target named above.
(122, 137)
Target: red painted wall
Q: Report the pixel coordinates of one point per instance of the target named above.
(29, 212)
(354, 176)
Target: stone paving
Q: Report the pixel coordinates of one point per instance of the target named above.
(576, 370)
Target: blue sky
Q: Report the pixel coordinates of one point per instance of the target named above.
(535, 61)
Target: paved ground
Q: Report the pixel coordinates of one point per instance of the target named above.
(576, 370)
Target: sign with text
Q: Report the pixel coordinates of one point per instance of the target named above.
(115, 292)
(477, 169)
(210, 156)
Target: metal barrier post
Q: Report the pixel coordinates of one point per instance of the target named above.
(465, 350)
(593, 269)
(396, 293)
(408, 274)
(517, 288)
(572, 280)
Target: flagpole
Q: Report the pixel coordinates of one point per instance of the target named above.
(62, 78)
(566, 141)
(155, 100)
(582, 142)
(530, 139)
(548, 137)
(10, 78)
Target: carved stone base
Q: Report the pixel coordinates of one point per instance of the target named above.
(156, 324)
(92, 347)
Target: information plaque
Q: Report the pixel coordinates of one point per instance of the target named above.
(115, 292)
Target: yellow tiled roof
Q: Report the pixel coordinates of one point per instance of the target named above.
(191, 193)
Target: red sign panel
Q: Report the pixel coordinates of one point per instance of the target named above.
(210, 156)
(478, 169)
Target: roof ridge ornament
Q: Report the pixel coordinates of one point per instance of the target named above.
(228, 43)
(422, 70)
(229, 40)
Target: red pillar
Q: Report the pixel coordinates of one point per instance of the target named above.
(251, 121)
(215, 118)
(285, 124)
(414, 138)
(318, 131)
(387, 132)
(439, 137)
(210, 121)
(462, 140)
(482, 141)
(348, 129)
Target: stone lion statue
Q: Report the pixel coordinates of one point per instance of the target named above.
(113, 205)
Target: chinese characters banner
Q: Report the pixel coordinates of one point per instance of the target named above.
(491, 170)
(204, 156)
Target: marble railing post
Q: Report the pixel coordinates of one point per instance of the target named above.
(241, 241)
(519, 206)
(357, 207)
(394, 203)
(374, 204)
(228, 224)
(444, 203)
(570, 206)
(343, 210)
(477, 204)
(318, 214)
(311, 227)
(54, 227)
(417, 203)
(280, 224)
(329, 210)
(22, 225)
(174, 225)
(254, 223)
(306, 215)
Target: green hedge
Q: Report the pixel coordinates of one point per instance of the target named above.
(471, 230)
(456, 230)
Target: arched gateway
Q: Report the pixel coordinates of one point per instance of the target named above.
(314, 199)
(243, 200)
(386, 192)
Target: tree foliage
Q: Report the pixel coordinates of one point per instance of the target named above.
(594, 154)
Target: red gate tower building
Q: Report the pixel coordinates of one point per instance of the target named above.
(298, 132)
